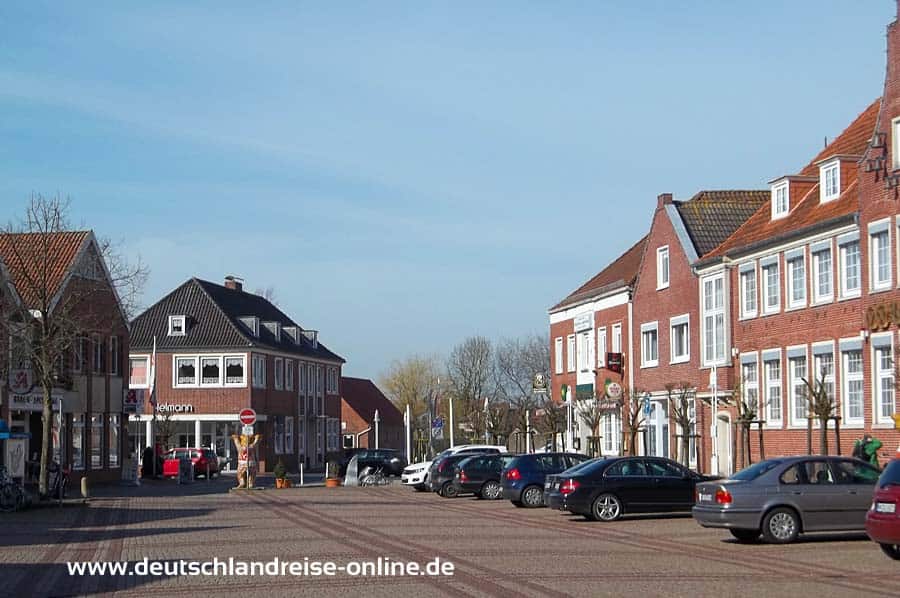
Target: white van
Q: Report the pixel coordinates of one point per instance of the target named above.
(416, 474)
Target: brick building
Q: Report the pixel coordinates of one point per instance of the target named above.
(667, 326)
(220, 349)
(592, 324)
(360, 398)
(64, 276)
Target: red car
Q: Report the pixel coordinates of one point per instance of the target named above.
(200, 457)
(883, 518)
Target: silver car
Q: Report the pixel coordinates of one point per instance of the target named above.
(783, 497)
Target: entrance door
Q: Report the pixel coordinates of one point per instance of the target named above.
(658, 430)
(723, 432)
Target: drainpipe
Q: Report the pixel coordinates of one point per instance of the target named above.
(366, 431)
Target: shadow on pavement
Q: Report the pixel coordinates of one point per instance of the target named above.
(814, 538)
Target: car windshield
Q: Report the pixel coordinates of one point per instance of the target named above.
(756, 470)
(891, 475)
(586, 467)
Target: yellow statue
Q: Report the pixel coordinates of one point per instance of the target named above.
(247, 462)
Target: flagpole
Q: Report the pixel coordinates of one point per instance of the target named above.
(153, 405)
(406, 421)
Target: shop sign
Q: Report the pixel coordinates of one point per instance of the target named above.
(614, 362)
(614, 390)
(584, 322)
(15, 458)
(21, 381)
(880, 317)
(31, 402)
(539, 384)
(609, 405)
(175, 408)
(134, 401)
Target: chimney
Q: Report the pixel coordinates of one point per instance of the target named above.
(663, 199)
(234, 283)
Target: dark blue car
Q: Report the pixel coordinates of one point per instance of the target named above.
(523, 478)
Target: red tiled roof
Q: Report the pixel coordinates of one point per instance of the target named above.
(364, 397)
(38, 262)
(808, 211)
(622, 270)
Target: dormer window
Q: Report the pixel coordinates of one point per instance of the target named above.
(252, 324)
(177, 326)
(830, 180)
(275, 329)
(781, 201)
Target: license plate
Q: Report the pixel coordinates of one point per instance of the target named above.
(885, 507)
(548, 484)
(705, 497)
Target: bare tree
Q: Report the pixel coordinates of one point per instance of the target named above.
(268, 293)
(470, 372)
(821, 406)
(53, 313)
(591, 412)
(552, 419)
(681, 402)
(632, 416)
(413, 381)
(518, 360)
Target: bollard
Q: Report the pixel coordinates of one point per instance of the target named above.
(301, 469)
(85, 488)
(207, 471)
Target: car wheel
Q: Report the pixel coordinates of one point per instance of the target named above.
(607, 507)
(533, 496)
(892, 550)
(448, 490)
(781, 526)
(491, 490)
(745, 535)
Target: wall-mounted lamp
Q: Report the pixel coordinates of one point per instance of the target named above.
(735, 351)
(864, 334)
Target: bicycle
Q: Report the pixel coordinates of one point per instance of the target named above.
(12, 496)
(376, 477)
(59, 483)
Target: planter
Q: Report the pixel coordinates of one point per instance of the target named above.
(279, 483)
(287, 483)
(332, 482)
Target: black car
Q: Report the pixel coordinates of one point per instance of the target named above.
(523, 479)
(480, 475)
(606, 488)
(443, 472)
(389, 460)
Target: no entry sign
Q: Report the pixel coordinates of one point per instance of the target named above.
(247, 416)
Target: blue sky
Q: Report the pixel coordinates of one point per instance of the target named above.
(409, 174)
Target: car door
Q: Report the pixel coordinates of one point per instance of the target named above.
(855, 484)
(627, 479)
(674, 489)
(813, 494)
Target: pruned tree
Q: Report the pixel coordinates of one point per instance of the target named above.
(518, 360)
(681, 402)
(471, 377)
(50, 313)
(632, 416)
(551, 419)
(590, 412)
(821, 407)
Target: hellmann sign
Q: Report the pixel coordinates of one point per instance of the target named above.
(175, 408)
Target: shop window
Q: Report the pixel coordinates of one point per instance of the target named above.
(96, 441)
(113, 440)
(78, 441)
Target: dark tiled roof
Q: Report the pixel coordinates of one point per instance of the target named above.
(38, 262)
(710, 217)
(213, 313)
(808, 212)
(364, 397)
(620, 273)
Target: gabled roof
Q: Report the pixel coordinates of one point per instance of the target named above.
(620, 273)
(710, 217)
(364, 397)
(39, 262)
(213, 322)
(807, 213)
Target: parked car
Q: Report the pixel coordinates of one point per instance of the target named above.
(200, 457)
(605, 489)
(390, 461)
(480, 475)
(883, 518)
(442, 472)
(523, 479)
(783, 497)
(416, 474)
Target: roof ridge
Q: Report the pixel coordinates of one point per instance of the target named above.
(221, 311)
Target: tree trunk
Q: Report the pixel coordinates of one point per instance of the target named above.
(686, 447)
(823, 436)
(46, 446)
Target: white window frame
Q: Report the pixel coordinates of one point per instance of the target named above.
(279, 373)
(663, 270)
(175, 359)
(746, 277)
(558, 355)
(713, 323)
(677, 322)
(177, 321)
(846, 378)
(570, 353)
(817, 271)
(646, 329)
(113, 356)
(243, 382)
(146, 360)
(875, 282)
(883, 383)
(585, 349)
(846, 291)
(781, 200)
(790, 267)
(796, 383)
(616, 341)
(289, 374)
(258, 372)
(768, 387)
(601, 347)
(829, 181)
(750, 384)
(217, 383)
(767, 284)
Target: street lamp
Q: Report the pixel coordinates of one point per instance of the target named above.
(714, 432)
